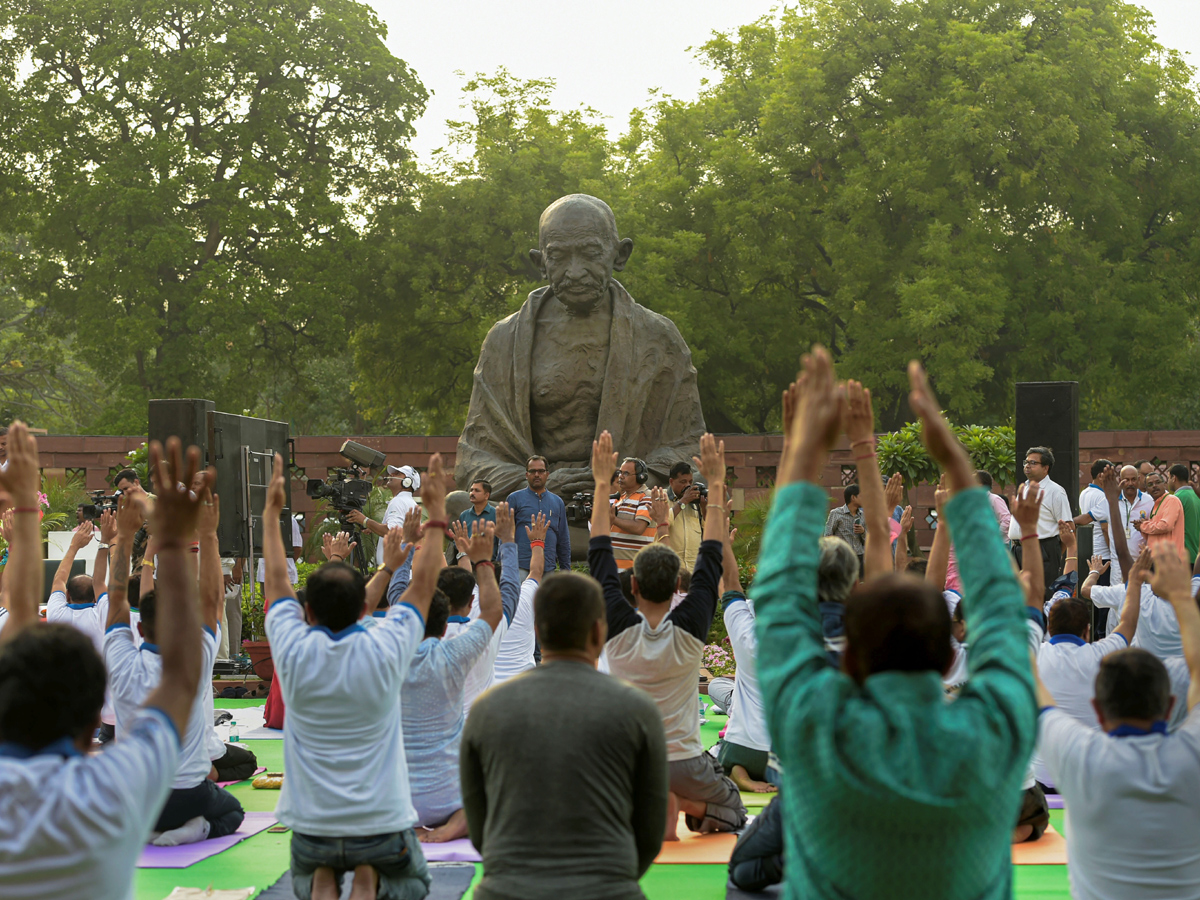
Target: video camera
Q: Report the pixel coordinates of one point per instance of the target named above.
(579, 510)
(346, 489)
(101, 503)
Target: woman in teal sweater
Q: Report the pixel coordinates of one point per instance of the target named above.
(891, 791)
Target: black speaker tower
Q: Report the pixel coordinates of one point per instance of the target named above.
(1048, 416)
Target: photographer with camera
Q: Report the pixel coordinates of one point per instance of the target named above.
(689, 502)
(402, 481)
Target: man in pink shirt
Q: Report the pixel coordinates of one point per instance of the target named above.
(1166, 522)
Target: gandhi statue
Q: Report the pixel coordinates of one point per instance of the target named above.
(578, 357)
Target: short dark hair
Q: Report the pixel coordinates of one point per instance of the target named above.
(81, 589)
(1099, 466)
(1072, 615)
(680, 468)
(3, 430)
(336, 593)
(486, 485)
(685, 579)
(1046, 454)
(565, 608)
(148, 614)
(896, 623)
(1133, 684)
(656, 569)
(918, 565)
(126, 475)
(1180, 471)
(1138, 463)
(533, 458)
(458, 585)
(439, 613)
(984, 478)
(51, 686)
(850, 491)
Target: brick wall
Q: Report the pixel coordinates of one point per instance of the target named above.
(751, 458)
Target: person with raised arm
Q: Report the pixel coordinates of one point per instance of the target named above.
(517, 647)
(1132, 789)
(860, 429)
(74, 824)
(659, 649)
(432, 694)
(73, 599)
(196, 808)
(346, 796)
(885, 781)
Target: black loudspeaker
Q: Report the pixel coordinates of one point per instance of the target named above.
(240, 448)
(1048, 416)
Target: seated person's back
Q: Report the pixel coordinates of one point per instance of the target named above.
(564, 769)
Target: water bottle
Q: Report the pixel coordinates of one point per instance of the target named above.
(703, 720)
(234, 735)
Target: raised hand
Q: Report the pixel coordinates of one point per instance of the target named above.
(1109, 483)
(336, 547)
(859, 419)
(130, 515)
(462, 536)
(483, 537)
(1172, 577)
(539, 525)
(659, 505)
(6, 526)
(817, 420)
(412, 526)
(1097, 566)
(711, 461)
(82, 536)
(906, 520)
(21, 476)
(276, 492)
(108, 526)
(433, 489)
(1026, 509)
(395, 550)
(604, 463)
(506, 527)
(1066, 534)
(893, 492)
(936, 433)
(1142, 565)
(177, 509)
(210, 512)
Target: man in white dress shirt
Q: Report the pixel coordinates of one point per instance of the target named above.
(1056, 507)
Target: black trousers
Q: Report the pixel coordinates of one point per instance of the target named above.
(1052, 561)
(757, 858)
(220, 807)
(237, 763)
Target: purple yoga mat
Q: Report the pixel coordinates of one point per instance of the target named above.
(1055, 801)
(257, 772)
(461, 850)
(185, 855)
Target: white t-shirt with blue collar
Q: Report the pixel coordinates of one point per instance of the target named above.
(133, 672)
(1094, 504)
(343, 744)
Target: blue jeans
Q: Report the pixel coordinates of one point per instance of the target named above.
(397, 857)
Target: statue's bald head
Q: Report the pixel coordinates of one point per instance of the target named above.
(578, 251)
(578, 212)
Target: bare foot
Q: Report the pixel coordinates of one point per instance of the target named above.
(1021, 833)
(451, 830)
(744, 782)
(366, 883)
(672, 829)
(325, 886)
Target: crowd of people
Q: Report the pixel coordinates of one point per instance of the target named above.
(910, 715)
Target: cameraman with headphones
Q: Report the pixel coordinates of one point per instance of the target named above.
(631, 525)
(403, 482)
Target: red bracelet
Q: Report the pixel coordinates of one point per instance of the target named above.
(26, 509)
(434, 523)
(1026, 537)
(865, 456)
(537, 543)
(484, 562)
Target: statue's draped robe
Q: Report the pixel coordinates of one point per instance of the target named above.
(649, 401)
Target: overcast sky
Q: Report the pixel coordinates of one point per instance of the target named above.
(607, 56)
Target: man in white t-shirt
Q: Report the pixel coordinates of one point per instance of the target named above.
(403, 482)
(346, 796)
(746, 744)
(516, 647)
(1132, 790)
(1093, 510)
(196, 808)
(74, 824)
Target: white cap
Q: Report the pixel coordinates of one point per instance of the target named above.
(407, 472)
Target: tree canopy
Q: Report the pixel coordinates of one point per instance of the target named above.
(219, 202)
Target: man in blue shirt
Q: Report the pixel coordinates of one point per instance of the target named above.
(528, 502)
(480, 510)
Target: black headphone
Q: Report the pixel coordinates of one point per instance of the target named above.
(641, 473)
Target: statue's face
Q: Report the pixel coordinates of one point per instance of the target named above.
(578, 254)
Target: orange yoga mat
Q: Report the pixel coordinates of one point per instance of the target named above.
(692, 848)
(1048, 850)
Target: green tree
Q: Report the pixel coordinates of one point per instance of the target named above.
(189, 177)
(439, 274)
(1006, 190)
